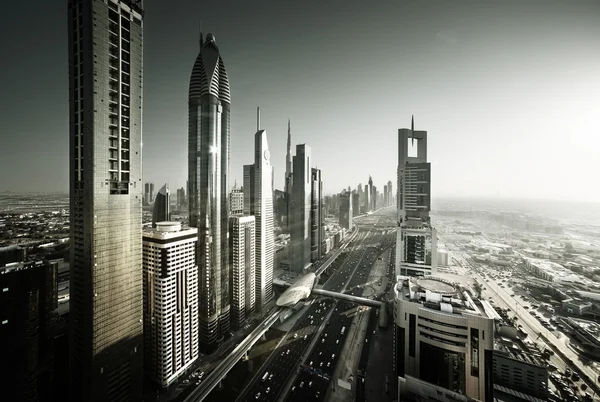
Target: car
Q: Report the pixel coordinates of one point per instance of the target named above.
(310, 364)
(295, 336)
(310, 384)
(321, 364)
(268, 389)
(328, 364)
(305, 336)
(293, 388)
(258, 395)
(302, 384)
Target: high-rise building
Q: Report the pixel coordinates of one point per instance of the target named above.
(208, 166)
(390, 194)
(27, 298)
(416, 242)
(385, 196)
(161, 212)
(236, 201)
(258, 201)
(170, 301)
(289, 179)
(355, 204)
(374, 197)
(301, 205)
(346, 199)
(105, 92)
(316, 215)
(242, 268)
(441, 337)
(181, 198)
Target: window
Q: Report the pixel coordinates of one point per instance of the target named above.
(412, 330)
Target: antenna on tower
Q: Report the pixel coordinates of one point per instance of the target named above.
(412, 129)
(257, 118)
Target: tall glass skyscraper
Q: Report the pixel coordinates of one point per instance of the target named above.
(208, 167)
(259, 193)
(300, 237)
(105, 155)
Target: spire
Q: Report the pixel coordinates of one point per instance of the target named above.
(257, 118)
(201, 36)
(412, 129)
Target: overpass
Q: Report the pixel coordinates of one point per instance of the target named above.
(214, 378)
(354, 299)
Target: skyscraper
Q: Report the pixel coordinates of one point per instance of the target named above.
(346, 199)
(301, 205)
(416, 243)
(208, 165)
(105, 105)
(170, 301)
(180, 198)
(316, 215)
(390, 194)
(242, 269)
(289, 178)
(161, 212)
(258, 195)
(385, 196)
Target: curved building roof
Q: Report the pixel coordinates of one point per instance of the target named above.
(300, 290)
(209, 76)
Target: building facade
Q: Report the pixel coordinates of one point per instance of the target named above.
(242, 261)
(209, 108)
(258, 201)
(161, 211)
(441, 335)
(316, 215)
(289, 179)
(105, 108)
(300, 236)
(520, 372)
(416, 242)
(170, 301)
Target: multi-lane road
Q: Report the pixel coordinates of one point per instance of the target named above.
(314, 342)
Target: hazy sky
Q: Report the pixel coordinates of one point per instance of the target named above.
(509, 91)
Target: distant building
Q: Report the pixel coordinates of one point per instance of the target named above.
(28, 295)
(181, 201)
(289, 179)
(346, 199)
(242, 268)
(170, 301)
(236, 201)
(390, 194)
(148, 193)
(162, 206)
(416, 242)
(385, 196)
(442, 336)
(301, 208)
(316, 215)
(443, 258)
(355, 204)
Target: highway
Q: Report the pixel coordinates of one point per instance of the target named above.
(214, 378)
(317, 369)
(282, 365)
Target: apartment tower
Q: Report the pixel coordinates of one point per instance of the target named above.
(170, 301)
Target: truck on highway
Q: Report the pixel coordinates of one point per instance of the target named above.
(264, 377)
(343, 329)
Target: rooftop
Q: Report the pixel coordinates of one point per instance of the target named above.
(441, 295)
